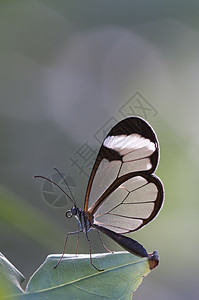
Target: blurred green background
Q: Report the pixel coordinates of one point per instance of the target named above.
(66, 70)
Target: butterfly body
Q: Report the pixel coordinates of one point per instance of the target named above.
(85, 226)
(83, 221)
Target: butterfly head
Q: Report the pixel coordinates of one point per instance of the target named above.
(71, 212)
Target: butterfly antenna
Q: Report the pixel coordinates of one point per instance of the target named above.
(66, 183)
(48, 179)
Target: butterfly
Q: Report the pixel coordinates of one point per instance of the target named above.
(123, 194)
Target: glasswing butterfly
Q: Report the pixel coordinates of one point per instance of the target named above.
(123, 194)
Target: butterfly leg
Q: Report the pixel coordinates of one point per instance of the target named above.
(103, 243)
(69, 233)
(88, 239)
(77, 244)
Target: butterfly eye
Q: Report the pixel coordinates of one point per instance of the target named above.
(74, 211)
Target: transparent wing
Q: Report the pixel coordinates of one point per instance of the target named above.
(129, 152)
(131, 205)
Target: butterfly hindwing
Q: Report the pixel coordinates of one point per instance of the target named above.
(130, 206)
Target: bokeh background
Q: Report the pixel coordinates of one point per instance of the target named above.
(68, 71)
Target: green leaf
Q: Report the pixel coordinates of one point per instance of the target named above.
(10, 278)
(75, 278)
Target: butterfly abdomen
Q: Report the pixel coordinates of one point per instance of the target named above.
(127, 243)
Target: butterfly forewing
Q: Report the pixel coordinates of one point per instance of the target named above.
(123, 195)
